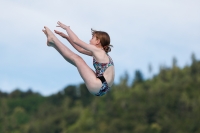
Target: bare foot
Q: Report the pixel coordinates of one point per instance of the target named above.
(50, 36)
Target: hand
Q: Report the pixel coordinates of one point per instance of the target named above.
(61, 34)
(61, 25)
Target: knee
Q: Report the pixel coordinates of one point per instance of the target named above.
(77, 59)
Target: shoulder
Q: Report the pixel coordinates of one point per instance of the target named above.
(101, 56)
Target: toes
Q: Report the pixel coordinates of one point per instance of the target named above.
(46, 28)
(45, 32)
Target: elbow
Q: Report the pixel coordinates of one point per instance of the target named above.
(75, 41)
(81, 51)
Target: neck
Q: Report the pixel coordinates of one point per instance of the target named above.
(99, 46)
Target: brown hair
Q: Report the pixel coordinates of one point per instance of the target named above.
(104, 39)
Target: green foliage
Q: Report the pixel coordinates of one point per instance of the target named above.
(167, 103)
(138, 78)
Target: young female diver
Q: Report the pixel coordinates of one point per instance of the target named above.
(99, 82)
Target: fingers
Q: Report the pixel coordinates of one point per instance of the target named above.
(57, 32)
(59, 23)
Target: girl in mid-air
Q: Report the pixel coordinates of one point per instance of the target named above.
(99, 82)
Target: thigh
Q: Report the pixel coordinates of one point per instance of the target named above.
(88, 75)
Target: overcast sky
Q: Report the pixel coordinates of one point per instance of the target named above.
(142, 32)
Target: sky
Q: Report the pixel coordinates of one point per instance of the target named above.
(142, 32)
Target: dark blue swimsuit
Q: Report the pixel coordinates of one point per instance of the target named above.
(100, 69)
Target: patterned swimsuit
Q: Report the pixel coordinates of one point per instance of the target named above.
(100, 69)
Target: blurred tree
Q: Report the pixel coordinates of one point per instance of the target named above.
(163, 73)
(29, 92)
(194, 66)
(4, 116)
(138, 78)
(71, 91)
(174, 62)
(175, 69)
(86, 97)
(150, 69)
(124, 80)
(16, 94)
(193, 57)
(3, 94)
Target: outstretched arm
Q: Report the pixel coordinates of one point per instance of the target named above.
(78, 48)
(76, 40)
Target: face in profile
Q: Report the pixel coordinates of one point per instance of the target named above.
(94, 40)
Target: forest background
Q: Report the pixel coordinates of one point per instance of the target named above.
(166, 103)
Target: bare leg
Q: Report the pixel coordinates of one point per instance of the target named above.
(93, 84)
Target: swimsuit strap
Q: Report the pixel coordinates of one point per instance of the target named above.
(110, 63)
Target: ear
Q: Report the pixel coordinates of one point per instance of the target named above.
(98, 41)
